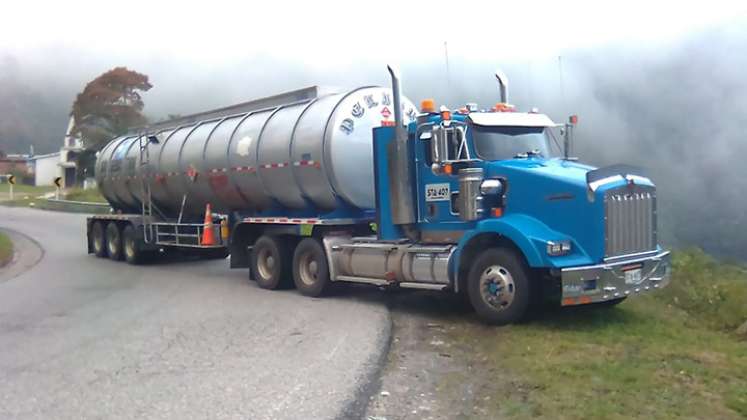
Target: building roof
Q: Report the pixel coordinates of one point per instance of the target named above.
(48, 155)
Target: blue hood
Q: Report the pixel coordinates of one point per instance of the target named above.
(554, 192)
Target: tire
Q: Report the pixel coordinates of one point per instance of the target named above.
(310, 268)
(271, 261)
(98, 239)
(132, 246)
(499, 286)
(114, 242)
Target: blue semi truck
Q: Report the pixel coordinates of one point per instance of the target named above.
(310, 188)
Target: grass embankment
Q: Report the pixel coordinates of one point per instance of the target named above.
(26, 189)
(6, 249)
(671, 354)
(91, 195)
(31, 199)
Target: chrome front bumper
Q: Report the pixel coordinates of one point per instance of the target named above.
(613, 280)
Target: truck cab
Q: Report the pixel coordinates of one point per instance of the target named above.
(527, 222)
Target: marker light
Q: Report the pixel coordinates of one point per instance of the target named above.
(503, 107)
(573, 119)
(428, 105)
(446, 168)
(557, 248)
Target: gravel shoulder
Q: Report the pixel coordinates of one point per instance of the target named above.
(426, 375)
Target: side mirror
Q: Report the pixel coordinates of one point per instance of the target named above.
(439, 145)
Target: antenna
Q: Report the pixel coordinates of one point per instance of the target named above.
(446, 55)
(560, 77)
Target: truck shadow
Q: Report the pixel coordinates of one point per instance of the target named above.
(441, 306)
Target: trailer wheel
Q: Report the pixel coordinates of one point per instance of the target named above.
(310, 268)
(131, 246)
(270, 262)
(114, 241)
(499, 286)
(98, 239)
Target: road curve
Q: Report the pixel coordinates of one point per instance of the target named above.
(82, 337)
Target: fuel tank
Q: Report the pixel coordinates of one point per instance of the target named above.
(300, 150)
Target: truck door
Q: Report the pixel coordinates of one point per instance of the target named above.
(438, 182)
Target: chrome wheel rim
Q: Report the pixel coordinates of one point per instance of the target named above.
(497, 287)
(265, 263)
(112, 244)
(129, 247)
(308, 269)
(98, 240)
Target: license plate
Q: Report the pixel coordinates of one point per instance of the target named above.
(633, 276)
(437, 192)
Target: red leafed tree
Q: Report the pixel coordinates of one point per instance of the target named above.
(108, 106)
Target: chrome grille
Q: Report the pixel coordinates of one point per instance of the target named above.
(630, 220)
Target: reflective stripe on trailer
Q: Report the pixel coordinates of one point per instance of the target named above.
(307, 163)
(243, 169)
(298, 221)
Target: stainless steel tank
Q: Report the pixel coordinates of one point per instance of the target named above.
(297, 153)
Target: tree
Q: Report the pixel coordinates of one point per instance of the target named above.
(108, 106)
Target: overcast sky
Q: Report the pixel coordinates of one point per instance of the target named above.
(326, 33)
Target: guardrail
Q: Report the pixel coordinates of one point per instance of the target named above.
(75, 206)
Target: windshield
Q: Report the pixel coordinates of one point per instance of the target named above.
(499, 143)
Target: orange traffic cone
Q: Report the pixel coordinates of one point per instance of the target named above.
(208, 233)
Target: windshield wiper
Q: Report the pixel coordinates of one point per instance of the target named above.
(525, 155)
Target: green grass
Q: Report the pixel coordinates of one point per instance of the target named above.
(90, 195)
(6, 249)
(25, 189)
(668, 355)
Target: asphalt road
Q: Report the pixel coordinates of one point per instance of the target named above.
(82, 337)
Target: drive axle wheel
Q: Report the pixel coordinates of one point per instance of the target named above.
(114, 241)
(270, 262)
(310, 268)
(98, 239)
(499, 287)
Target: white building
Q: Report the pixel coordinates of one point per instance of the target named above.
(71, 148)
(61, 164)
(46, 168)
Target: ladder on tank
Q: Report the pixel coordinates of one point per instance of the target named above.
(146, 201)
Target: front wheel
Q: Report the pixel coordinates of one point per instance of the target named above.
(310, 268)
(499, 286)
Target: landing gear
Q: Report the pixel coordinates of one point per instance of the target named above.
(271, 262)
(310, 268)
(114, 242)
(499, 286)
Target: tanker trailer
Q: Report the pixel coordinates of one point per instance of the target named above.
(309, 188)
(291, 154)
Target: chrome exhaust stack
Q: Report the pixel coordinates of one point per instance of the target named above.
(399, 163)
(502, 85)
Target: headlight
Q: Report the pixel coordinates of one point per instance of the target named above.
(557, 248)
(491, 187)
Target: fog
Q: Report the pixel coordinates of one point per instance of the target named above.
(677, 108)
